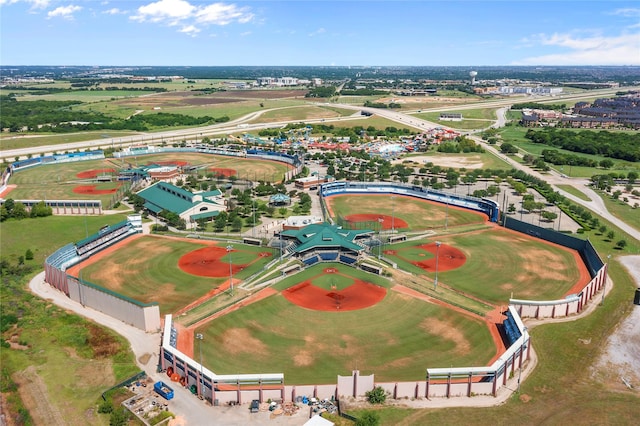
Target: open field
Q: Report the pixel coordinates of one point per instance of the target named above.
(574, 191)
(300, 113)
(517, 257)
(308, 346)
(418, 214)
(43, 139)
(484, 160)
(148, 269)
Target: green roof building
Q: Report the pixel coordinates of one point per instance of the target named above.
(190, 206)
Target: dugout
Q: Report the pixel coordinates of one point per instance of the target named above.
(397, 238)
(252, 241)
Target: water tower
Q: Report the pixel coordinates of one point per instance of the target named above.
(473, 74)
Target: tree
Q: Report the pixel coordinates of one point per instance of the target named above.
(376, 396)
(236, 224)
(602, 229)
(282, 211)
(606, 163)
(368, 418)
(549, 216)
(512, 208)
(19, 211)
(28, 254)
(611, 235)
(621, 244)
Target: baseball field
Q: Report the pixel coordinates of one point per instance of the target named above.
(396, 338)
(79, 180)
(171, 271)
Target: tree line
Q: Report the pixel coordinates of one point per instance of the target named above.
(62, 117)
(619, 145)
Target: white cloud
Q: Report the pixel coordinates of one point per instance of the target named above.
(35, 4)
(65, 12)
(590, 50)
(190, 30)
(223, 14)
(189, 16)
(164, 10)
(629, 12)
(114, 11)
(246, 33)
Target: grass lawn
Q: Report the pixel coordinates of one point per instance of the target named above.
(315, 272)
(574, 191)
(308, 346)
(622, 210)
(300, 113)
(44, 139)
(486, 159)
(419, 214)
(86, 95)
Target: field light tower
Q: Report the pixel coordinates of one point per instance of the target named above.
(473, 75)
(229, 249)
(200, 337)
(435, 281)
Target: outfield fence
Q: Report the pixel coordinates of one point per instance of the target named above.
(130, 311)
(573, 303)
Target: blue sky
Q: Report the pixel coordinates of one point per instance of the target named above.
(306, 32)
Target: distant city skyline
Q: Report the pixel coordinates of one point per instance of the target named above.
(319, 33)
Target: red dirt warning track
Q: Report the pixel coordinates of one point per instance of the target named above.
(91, 190)
(205, 262)
(168, 163)
(359, 295)
(387, 222)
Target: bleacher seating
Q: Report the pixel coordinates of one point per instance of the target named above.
(328, 256)
(310, 260)
(62, 256)
(347, 259)
(511, 329)
(102, 238)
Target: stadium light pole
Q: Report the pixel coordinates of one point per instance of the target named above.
(524, 333)
(229, 249)
(199, 336)
(446, 215)
(604, 286)
(393, 205)
(435, 281)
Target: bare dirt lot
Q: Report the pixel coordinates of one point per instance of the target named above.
(619, 364)
(457, 162)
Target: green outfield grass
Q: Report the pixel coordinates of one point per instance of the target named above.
(395, 339)
(146, 270)
(518, 258)
(486, 159)
(419, 214)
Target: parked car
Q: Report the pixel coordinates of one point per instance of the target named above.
(255, 406)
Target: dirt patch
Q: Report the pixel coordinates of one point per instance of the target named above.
(34, 395)
(222, 172)
(91, 190)
(448, 332)
(456, 162)
(91, 174)
(239, 340)
(303, 358)
(359, 295)
(385, 222)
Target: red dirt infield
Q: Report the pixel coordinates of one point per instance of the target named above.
(358, 295)
(205, 262)
(448, 258)
(90, 174)
(220, 171)
(387, 222)
(91, 190)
